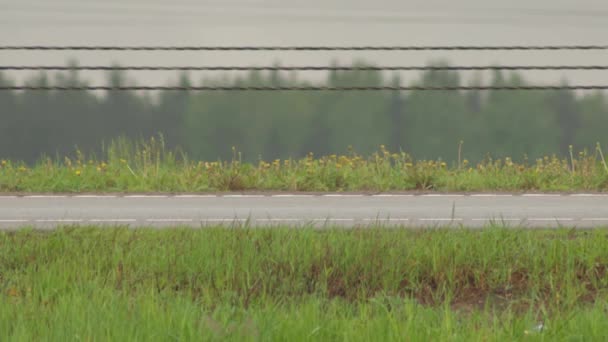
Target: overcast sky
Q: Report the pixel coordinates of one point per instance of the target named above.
(311, 22)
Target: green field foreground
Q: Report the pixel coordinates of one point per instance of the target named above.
(147, 166)
(496, 284)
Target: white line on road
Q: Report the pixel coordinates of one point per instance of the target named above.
(146, 196)
(223, 220)
(243, 196)
(94, 196)
(59, 220)
(45, 196)
(279, 219)
(113, 220)
(385, 219)
(595, 219)
(542, 195)
(291, 195)
(441, 219)
(333, 219)
(342, 195)
(491, 195)
(169, 220)
(588, 195)
(13, 221)
(442, 195)
(550, 219)
(195, 196)
(497, 219)
(392, 195)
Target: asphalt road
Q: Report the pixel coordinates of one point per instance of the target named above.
(476, 210)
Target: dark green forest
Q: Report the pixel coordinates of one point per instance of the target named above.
(271, 125)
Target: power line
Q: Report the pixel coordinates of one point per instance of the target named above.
(307, 88)
(298, 68)
(305, 68)
(300, 48)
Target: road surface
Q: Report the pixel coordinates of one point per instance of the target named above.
(474, 210)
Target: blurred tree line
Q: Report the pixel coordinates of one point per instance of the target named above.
(271, 125)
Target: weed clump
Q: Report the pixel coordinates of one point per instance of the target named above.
(147, 166)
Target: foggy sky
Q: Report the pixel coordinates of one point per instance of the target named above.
(312, 22)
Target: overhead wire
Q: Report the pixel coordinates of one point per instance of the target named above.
(303, 48)
(298, 68)
(309, 68)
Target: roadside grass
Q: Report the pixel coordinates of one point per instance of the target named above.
(92, 283)
(147, 166)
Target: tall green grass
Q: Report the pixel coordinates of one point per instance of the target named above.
(86, 283)
(147, 166)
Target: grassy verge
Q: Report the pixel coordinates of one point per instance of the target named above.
(286, 284)
(148, 167)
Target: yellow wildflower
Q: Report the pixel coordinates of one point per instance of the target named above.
(77, 172)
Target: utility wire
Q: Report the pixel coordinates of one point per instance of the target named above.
(299, 48)
(299, 68)
(307, 88)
